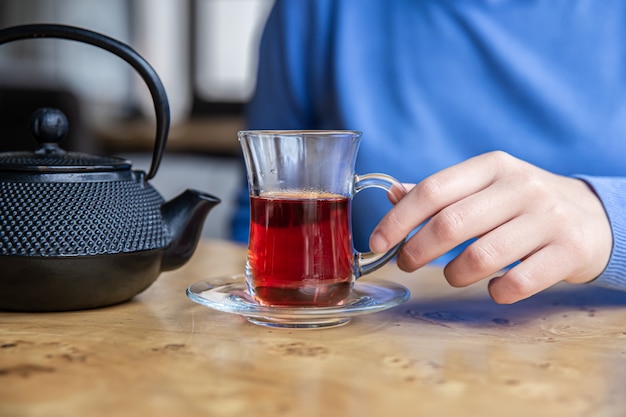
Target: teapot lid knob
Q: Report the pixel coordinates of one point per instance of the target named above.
(49, 125)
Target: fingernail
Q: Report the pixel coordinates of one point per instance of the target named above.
(378, 243)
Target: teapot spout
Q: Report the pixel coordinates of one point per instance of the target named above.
(184, 216)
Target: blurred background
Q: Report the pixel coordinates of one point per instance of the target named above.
(205, 54)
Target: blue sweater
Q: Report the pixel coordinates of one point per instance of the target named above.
(432, 83)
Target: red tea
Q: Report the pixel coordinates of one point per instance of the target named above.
(300, 250)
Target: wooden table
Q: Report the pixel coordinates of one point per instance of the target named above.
(446, 352)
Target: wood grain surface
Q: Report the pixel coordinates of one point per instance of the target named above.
(446, 352)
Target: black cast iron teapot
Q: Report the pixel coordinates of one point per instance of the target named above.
(82, 231)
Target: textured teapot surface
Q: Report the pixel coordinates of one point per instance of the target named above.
(80, 218)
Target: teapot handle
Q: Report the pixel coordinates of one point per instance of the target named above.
(149, 75)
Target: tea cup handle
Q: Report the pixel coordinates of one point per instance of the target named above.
(367, 262)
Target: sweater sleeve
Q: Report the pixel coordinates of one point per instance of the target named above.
(612, 193)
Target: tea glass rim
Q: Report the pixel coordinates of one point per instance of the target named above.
(295, 132)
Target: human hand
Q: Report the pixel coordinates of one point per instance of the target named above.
(555, 225)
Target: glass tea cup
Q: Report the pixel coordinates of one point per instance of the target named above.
(301, 185)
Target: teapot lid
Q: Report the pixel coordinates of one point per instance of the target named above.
(49, 126)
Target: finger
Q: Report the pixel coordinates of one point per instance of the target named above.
(398, 193)
(498, 249)
(430, 196)
(539, 271)
(473, 216)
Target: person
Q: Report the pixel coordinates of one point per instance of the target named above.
(508, 115)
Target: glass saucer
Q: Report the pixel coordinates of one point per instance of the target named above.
(230, 294)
